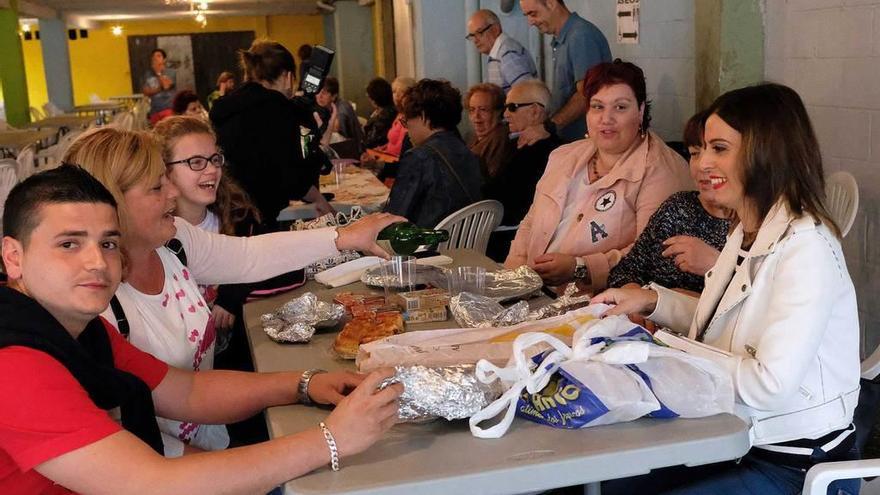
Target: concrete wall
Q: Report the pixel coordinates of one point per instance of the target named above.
(665, 52)
(829, 51)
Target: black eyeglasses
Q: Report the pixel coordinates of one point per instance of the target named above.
(198, 162)
(479, 32)
(512, 107)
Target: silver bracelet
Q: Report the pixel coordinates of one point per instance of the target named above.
(302, 389)
(331, 444)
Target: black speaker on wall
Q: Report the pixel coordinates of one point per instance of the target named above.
(71, 34)
(83, 33)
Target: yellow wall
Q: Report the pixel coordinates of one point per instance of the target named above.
(99, 63)
(33, 70)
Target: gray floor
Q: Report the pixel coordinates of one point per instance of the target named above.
(872, 488)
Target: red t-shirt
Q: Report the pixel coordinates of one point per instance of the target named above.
(45, 412)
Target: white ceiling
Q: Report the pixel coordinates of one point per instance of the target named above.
(83, 12)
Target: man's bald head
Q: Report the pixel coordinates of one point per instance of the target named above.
(530, 90)
(483, 29)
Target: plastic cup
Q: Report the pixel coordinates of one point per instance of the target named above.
(466, 279)
(339, 169)
(399, 274)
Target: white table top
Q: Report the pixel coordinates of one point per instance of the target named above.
(359, 187)
(444, 458)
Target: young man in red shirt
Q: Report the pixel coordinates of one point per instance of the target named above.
(65, 375)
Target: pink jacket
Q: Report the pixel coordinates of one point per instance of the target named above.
(615, 213)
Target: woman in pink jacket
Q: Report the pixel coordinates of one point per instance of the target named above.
(598, 193)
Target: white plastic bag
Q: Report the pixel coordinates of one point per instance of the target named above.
(614, 372)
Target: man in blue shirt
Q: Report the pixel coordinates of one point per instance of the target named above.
(159, 84)
(577, 46)
(509, 62)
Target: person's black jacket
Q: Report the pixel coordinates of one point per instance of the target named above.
(259, 132)
(514, 184)
(426, 191)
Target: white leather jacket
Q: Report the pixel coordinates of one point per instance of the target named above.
(784, 323)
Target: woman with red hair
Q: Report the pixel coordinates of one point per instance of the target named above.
(598, 193)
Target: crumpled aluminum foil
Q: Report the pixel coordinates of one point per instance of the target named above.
(450, 392)
(475, 311)
(565, 303)
(504, 285)
(296, 320)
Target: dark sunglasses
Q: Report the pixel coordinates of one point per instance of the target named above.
(479, 32)
(198, 162)
(512, 107)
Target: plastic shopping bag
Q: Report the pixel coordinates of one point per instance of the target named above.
(615, 371)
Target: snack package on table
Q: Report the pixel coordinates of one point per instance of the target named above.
(615, 371)
(466, 345)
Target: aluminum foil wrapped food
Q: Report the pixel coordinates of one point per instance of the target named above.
(296, 320)
(450, 392)
(475, 311)
(565, 303)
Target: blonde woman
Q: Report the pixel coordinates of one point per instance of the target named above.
(163, 308)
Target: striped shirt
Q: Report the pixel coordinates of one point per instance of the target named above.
(509, 63)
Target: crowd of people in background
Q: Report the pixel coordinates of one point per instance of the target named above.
(591, 195)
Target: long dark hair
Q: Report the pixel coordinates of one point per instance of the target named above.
(780, 154)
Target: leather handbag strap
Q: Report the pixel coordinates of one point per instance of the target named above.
(453, 172)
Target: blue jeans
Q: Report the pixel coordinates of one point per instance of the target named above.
(751, 476)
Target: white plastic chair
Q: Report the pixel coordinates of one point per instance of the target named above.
(821, 475)
(842, 198)
(8, 180)
(471, 226)
(123, 120)
(27, 164)
(51, 109)
(36, 114)
(48, 158)
(65, 141)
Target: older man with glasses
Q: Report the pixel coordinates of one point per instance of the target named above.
(509, 62)
(514, 185)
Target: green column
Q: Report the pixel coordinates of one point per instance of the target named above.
(12, 76)
(729, 46)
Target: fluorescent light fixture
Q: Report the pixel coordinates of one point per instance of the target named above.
(116, 30)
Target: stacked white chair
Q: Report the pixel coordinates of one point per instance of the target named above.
(36, 114)
(123, 120)
(139, 113)
(52, 110)
(8, 180)
(65, 141)
(49, 157)
(471, 226)
(26, 162)
(842, 199)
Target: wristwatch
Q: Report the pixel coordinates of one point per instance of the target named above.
(580, 269)
(302, 389)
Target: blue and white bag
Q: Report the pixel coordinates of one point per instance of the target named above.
(614, 372)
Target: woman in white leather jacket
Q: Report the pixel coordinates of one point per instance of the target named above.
(778, 309)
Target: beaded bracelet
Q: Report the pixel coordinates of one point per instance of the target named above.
(331, 444)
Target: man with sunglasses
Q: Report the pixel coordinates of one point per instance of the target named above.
(514, 186)
(509, 62)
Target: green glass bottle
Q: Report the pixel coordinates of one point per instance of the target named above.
(403, 238)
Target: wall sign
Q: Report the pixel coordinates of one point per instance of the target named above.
(628, 22)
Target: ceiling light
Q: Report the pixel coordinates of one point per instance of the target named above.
(203, 5)
(26, 28)
(200, 17)
(116, 30)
